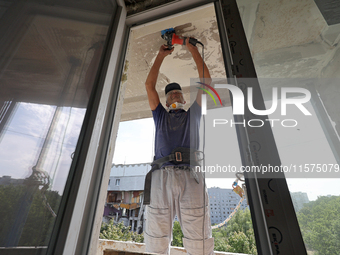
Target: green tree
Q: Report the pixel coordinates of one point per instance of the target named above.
(320, 225)
(39, 223)
(221, 241)
(241, 243)
(9, 200)
(177, 235)
(240, 222)
(119, 232)
(237, 235)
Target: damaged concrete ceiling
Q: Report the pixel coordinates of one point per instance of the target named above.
(135, 6)
(144, 44)
(288, 39)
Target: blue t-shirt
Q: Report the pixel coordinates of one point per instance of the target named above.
(176, 129)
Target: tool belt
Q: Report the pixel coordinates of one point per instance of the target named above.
(179, 155)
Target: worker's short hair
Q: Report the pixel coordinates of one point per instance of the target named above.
(172, 86)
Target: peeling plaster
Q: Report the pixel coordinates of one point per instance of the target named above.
(284, 23)
(288, 39)
(144, 45)
(291, 39)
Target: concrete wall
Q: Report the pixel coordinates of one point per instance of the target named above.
(131, 177)
(130, 170)
(291, 39)
(111, 247)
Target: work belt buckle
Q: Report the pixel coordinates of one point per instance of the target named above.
(178, 156)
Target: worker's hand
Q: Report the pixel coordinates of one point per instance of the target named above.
(193, 49)
(164, 51)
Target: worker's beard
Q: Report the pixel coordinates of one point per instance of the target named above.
(176, 106)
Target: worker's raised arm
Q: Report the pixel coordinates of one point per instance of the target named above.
(151, 80)
(200, 65)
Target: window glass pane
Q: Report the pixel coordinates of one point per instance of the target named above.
(50, 53)
(295, 44)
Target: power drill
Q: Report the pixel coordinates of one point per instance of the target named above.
(169, 35)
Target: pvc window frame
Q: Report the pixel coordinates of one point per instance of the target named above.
(76, 219)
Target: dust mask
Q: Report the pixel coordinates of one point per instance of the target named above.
(176, 106)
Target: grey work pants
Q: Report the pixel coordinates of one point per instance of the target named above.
(175, 192)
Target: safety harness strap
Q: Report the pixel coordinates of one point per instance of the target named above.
(147, 186)
(179, 155)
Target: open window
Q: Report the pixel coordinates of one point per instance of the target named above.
(61, 100)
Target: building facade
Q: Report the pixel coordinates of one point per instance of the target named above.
(222, 203)
(299, 199)
(125, 195)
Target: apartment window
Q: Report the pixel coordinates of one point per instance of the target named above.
(117, 182)
(124, 212)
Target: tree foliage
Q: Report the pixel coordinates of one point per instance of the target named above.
(39, 223)
(177, 235)
(9, 200)
(237, 236)
(119, 232)
(320, 225)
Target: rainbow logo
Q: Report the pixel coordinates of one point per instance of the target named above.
(209, 93)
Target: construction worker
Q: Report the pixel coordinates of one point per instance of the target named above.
(175, 188)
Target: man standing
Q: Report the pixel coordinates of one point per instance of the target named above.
(175, 188)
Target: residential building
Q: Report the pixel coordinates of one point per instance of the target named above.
(125, 195)
(8, 180)
(299, 199)
(222, 203)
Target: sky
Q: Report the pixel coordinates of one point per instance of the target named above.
(22, 140)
